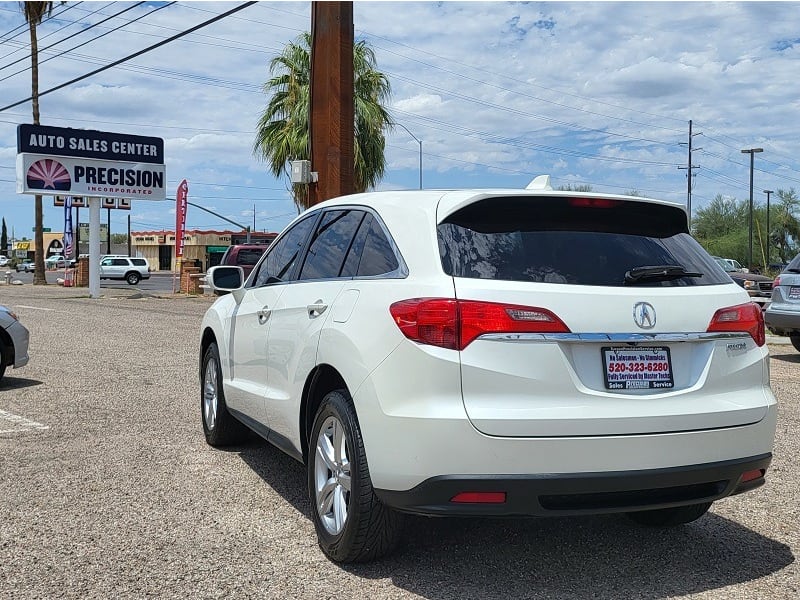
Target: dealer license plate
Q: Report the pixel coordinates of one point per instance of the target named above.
(794, 292)
(630, 368)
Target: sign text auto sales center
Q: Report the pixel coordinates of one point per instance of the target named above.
(80, 162)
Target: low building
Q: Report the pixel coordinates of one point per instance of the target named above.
(204, 248)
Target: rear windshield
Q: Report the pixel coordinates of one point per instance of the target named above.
(567, 241)
(249, 257)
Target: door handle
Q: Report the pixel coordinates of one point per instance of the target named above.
(316, 309)
(263, 315)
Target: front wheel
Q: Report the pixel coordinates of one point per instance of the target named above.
(670, 517)
(352, 524)
(133, 278)
(219, 427)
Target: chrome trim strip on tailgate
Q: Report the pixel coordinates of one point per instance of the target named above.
(621, 338)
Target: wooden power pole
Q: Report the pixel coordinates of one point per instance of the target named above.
(332, 108)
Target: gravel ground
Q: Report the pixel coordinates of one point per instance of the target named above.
(108, 490)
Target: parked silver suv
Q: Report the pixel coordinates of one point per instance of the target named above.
(783, 314)
(130, 269)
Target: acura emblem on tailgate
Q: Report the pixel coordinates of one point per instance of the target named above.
(644, 315)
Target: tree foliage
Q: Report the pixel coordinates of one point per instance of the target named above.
(723, 228)
(282, 132)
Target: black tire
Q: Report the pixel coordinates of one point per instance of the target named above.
(133, 278)
(795, 339)
(368, 530)
(3, 352)
(670, 517)
(219, 427)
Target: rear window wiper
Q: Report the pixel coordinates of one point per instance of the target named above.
(657, 273)
(792, 271)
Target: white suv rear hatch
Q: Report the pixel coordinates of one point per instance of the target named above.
(672, 346)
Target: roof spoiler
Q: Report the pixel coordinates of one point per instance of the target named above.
(542, 182)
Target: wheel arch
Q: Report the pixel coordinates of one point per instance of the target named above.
(206, 340)
(323, 379)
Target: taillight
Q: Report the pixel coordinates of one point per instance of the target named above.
(777, 281)
(454, 324)
(743, 317)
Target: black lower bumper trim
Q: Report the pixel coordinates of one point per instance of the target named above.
(581, 493)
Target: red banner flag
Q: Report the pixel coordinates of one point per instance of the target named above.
(181, 200)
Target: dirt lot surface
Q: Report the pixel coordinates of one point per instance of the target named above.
(108, 490)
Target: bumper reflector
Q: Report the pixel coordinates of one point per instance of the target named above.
(479, 498)
(752, 475)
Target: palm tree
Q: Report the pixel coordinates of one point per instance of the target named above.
(282, 131)
(34, 13)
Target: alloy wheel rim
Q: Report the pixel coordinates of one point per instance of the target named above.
(210, 395)
(332, 476)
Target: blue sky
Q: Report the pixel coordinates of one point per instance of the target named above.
(596, 93)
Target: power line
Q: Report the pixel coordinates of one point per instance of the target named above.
(163, 6)
(69, 24)
(25, 25)
(135, 54)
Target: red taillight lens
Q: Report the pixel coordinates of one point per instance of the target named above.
(479, 498)
(594, 202)
(431, 321)
(743, 317)
(454, 324)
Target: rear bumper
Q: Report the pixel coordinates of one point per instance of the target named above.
(581, 493)
(783, 322)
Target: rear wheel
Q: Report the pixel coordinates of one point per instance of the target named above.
(795, 339)
(352, 524)
(219, 427)
(670, 517)
(133, 278)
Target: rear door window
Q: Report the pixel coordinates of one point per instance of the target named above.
(574, 241)
(330, 244)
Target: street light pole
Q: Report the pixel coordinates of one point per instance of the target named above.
(752, 152)
(419, 141)
(769, 253)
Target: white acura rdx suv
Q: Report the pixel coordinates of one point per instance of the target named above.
(491, 353)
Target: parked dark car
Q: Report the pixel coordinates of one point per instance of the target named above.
(759, 287)
(243, 255)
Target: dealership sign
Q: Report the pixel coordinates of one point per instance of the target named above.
(78, 162)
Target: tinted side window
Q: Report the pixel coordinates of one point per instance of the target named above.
(350, 268)
(139, 262)
(120, 262)
(330, 244)
(378, 256)
(283, 255)
(558, 240)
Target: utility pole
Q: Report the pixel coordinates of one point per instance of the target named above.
(689, 168)
(752, 152)
(331, 127)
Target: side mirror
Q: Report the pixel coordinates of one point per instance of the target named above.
(223, 279)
